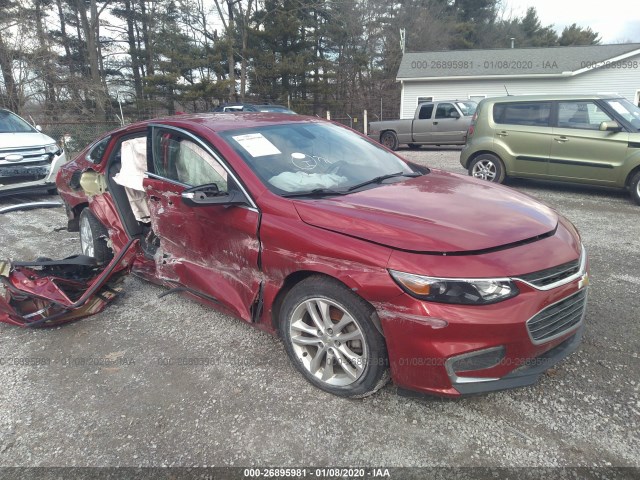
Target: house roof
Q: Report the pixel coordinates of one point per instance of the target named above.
(514, 62)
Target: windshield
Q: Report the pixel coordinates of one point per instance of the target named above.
(306, 157)
(467, 108)
(626, 110)
(11, 123)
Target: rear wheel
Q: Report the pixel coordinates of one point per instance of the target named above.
(389, 140)
(93, 238)
(487, 167)
(329, 336)
(634, 187)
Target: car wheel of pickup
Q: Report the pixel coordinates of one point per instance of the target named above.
(487, 167)
(329, 336)
(389, 140)
(634, 187)
(93, 238)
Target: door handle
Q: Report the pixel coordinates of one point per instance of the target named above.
(435, 123)
(561, 139)
(503, 134)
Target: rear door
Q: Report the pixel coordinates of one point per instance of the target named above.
(580, 151)
(211, 250)
(523, 130)
(423, 125)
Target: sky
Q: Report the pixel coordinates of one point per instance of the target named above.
(617, 21)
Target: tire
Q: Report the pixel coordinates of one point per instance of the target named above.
(634, 187)
(93, 238)
(414, 146)
(389, 140)
(355, 367)
(487, 167)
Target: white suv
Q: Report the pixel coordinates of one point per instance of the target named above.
(29, 159)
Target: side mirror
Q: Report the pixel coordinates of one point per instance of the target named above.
(211, 195)
(454, 114)
(39, 128)
(610, 127)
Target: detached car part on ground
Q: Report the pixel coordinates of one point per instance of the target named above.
(364, 264)
(29, 159)
(569, 138)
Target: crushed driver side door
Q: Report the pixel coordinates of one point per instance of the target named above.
(210, 250)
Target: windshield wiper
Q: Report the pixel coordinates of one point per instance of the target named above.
(384, 177)
(316, 192)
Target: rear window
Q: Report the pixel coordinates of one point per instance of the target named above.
(522, 113)
(425, 112)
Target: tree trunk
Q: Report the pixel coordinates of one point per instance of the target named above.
(232, 66)
(133, 50)
(48, 75)
(11, 99)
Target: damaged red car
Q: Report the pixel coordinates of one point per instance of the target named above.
(367, 266)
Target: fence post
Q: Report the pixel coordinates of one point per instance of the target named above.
(364, 122)
(328, 115)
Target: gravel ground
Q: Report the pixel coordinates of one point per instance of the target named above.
(112, 390)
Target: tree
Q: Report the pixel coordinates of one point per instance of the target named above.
(575, 35)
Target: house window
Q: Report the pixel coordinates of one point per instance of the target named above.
(477, 97)
(424, 100)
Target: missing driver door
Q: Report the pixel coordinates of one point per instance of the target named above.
(212, 250)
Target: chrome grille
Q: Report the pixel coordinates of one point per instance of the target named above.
(29, 154)
(542, 278)
(557, 319)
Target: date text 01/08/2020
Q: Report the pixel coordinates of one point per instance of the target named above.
(324, 472)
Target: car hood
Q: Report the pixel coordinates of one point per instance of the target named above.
(24, 139)
(438, 212)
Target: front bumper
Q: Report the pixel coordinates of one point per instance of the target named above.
(529, 372)
(426, 340)
(46, 177)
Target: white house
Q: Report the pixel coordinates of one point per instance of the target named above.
(477, 74)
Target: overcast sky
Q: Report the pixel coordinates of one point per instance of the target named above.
(616, 21)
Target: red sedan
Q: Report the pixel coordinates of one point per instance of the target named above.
(366, 265)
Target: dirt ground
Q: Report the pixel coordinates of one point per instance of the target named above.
(167, 382)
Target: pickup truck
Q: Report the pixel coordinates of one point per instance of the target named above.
(444, 122)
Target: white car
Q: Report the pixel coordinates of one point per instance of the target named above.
(29, 159)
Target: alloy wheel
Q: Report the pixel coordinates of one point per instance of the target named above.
(328, 342)
(485, 169)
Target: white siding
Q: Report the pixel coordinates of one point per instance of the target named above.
(625, 82)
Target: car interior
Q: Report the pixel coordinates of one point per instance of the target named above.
(136, 228)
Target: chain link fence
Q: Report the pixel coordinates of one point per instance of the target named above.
(74, 136)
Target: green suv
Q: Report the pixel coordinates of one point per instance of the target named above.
(583, 139)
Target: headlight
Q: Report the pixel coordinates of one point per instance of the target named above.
(453, 290)
(53, 148)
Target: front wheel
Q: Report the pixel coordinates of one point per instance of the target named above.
(634, 188)
(487, 167)
(329, 336)
(389, 140)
